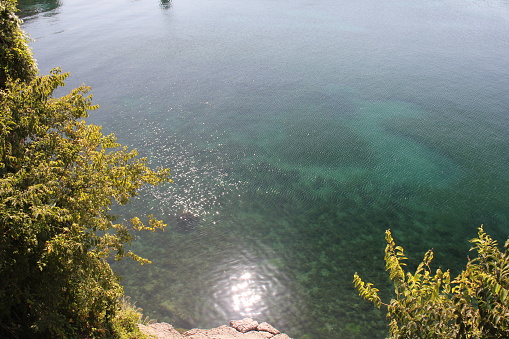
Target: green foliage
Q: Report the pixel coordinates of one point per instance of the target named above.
(16, 60)
(127, 318)
(58, 179)
(473, 305)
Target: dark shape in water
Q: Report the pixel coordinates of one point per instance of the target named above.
(186, 222)
(315, 142)
(165, 4)
(32, 7)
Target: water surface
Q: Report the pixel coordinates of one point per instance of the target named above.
(297, 133)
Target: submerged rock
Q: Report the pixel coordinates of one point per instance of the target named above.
(186, 222)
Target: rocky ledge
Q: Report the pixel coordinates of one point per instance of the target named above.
(239, 329)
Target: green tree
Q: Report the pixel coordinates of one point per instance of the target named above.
(59, 178)
(473, 305)
(16, 61)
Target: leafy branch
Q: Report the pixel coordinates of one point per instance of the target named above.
(431, 305)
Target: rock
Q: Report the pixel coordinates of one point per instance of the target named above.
(186, 222)
(244, 325)
(161, 331)
(214, 332)
(281, 336)
(239, 329)
(266, 327)
(262, 334)
(255, 335)
(197, 336)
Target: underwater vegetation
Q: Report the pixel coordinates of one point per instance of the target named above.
(302, 212)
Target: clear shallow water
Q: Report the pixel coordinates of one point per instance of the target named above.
(297, 132)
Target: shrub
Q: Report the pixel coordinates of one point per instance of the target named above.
(127, 318)
(59, 178)
(473, 305)
(16, 61)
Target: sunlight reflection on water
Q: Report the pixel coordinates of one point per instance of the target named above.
(259, 291)
(245, 295)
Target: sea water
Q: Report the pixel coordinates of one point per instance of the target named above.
(297, 132)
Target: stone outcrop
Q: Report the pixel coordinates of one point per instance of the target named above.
(239, 329)
(160, 331)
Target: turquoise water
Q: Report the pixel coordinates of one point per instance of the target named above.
(297, 133)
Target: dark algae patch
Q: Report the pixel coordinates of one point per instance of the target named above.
(308, 142)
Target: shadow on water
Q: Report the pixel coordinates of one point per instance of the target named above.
(28, 8)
